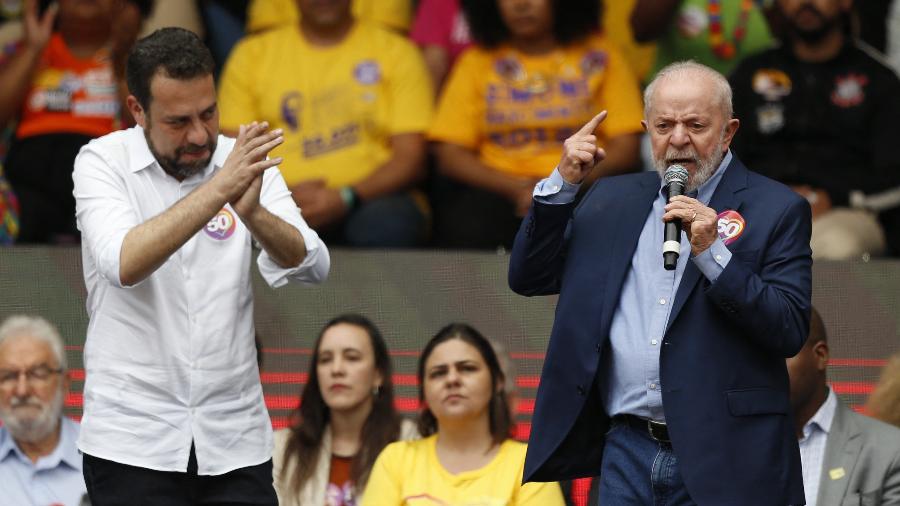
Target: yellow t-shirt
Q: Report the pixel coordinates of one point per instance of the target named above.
(515, 110)
(338, 105)
(408, 473)
(265, 14)
(617, 27)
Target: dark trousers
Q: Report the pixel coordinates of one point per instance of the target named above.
(391, 221)
(640, 471)
(39, 169)
(110, 483)
(472, 218)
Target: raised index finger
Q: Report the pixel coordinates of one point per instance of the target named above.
(591, 125)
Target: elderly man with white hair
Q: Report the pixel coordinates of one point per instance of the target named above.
(39, 461)
(667, 377)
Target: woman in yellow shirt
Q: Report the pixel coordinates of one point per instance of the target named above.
(345, 419)
(538, 72)
(467, 458)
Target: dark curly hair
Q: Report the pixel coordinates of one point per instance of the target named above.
(573, 20)
(179, 53)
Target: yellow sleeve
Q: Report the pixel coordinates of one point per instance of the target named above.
(459, 109)
(535, 493)
(266, 14)
(540, 494)
(410, 88)
(620, 95)
(383, 487)
(237, 88)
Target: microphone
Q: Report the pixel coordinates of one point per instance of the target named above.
(676, 179)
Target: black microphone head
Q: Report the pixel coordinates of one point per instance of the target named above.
(676, 173)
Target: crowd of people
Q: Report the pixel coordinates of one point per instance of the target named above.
(328, 127)
(348, 445)
(428, 123)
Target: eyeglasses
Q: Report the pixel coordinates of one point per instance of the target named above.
(35, 376)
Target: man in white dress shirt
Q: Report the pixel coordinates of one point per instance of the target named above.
(848, 458)
(173, 406)
(39, 462)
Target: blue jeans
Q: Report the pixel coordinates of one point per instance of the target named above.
(392, 221)
(638, 470)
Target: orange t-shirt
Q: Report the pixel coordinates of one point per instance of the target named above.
(340, 490)
(70, 95)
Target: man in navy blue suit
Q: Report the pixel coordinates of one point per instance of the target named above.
(669, 384)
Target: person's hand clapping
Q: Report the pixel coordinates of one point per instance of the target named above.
(241, 175)
(581, 153)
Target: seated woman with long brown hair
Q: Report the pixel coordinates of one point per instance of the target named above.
(467, 456)
(345, 419)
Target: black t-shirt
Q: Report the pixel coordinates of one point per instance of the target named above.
(831, 125)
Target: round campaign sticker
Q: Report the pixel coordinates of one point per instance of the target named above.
(367, 72)
(221, 226)
(731, 225)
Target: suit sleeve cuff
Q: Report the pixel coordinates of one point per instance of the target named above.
(713, 261)
(555, 190)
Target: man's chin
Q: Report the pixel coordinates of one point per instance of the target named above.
(185, 169)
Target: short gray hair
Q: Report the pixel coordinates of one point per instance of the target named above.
(684, 69)
(37, 328)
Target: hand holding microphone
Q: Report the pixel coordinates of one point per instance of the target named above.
(676, 178)
(700, 221)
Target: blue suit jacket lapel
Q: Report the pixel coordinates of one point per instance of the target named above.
(733, 181)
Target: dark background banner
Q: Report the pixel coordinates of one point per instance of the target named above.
(411, 294)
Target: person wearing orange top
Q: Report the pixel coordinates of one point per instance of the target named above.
(345, 418)
(538, 73)
(61, 86)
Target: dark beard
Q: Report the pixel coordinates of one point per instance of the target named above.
(182, 170)
(815, 35)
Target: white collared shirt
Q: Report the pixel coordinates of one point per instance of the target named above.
(812, 446)
(172, 360)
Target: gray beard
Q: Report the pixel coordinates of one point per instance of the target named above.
(33, 430)
(706, 167)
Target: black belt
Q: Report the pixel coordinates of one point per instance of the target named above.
(657, 430)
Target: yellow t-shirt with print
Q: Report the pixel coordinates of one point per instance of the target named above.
(266, 14)
(515, 110)
(408, 473)
(338, 105)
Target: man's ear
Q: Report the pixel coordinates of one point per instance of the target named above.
(136, 110)
(821, 352)
(645, 126)
(66, 382)
(731, 128)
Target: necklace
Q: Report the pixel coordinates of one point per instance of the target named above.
(722, 48)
